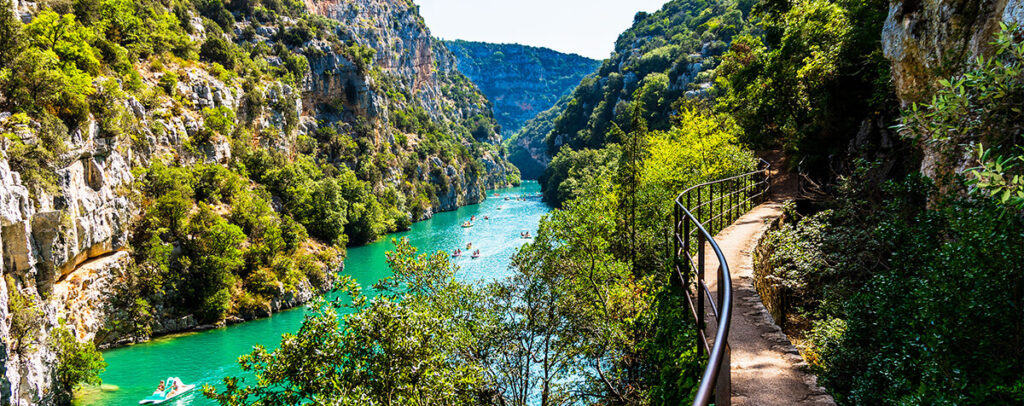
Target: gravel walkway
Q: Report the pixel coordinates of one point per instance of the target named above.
(766, 368)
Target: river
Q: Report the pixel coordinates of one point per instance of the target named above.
(206, 357)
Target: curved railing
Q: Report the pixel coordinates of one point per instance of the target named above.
(696, 210)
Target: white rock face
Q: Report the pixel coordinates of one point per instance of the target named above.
(41, 244)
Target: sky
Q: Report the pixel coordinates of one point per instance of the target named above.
(585, 27)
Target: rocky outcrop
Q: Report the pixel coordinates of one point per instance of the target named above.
(404, 50)
(67, 244)
(345, 93)
(928, 40)
(527, 149)
(931, 39)
(522, 81)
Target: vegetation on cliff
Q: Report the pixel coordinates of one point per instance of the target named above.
(579, 320)
(902, 267)
(663, 60)
(252, 141)
(521, 81)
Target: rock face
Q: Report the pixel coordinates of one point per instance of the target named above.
(928, 40)
(69, 245)
(521, 81)
(527, 149)
(412, 63)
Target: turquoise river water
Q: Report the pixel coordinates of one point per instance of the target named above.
(206, 357)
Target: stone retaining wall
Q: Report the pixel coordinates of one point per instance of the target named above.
(769, 287)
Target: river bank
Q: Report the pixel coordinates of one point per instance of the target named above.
(207, 356)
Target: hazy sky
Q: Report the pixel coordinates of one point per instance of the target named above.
(585, 27)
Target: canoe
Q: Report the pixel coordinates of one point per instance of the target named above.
(157, 399)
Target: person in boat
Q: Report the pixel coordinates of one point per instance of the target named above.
(469, 246)
(487, 218)
(160, 389)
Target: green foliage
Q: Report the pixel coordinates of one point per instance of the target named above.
(702, 146)
(563, 180)
(169, 82)
(982, 107)
(65, 37)
(811, 80)
(213, 273)
(37, 162)
(39, 81)
(1000, 177)
(413, 343)
(11, 36)
(940, 290)
(649, 59)
(218, 50)
(26, 320)
(215, 256)
(361, 55)
(883, 279)
(78, 363)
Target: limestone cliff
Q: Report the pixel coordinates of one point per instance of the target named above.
(522, 81)
(928, 40)
(372, 82)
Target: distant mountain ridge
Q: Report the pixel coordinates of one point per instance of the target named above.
(521, 81)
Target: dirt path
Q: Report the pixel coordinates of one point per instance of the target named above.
(766, 368)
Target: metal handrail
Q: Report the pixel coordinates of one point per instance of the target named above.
(741, 190)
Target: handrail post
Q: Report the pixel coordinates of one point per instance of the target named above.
(723, 383)
(700, 291)
(723, 387)
(686, 238)
(676, 218)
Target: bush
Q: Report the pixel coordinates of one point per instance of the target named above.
(168, 82)
(26, 319)
(218, 50)
(77, 362)
(937, 301)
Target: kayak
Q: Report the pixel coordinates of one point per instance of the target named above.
(158, 399)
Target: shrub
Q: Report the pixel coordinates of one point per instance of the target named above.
(26, 319)
(77, 362)
(168, 82)
(219, 50)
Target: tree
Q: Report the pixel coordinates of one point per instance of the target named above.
(11, 36)
(40, 81)
(411, 344)
(214, 254)
(66, 37)
(78, 363)
(25, 320)
(218, 50)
